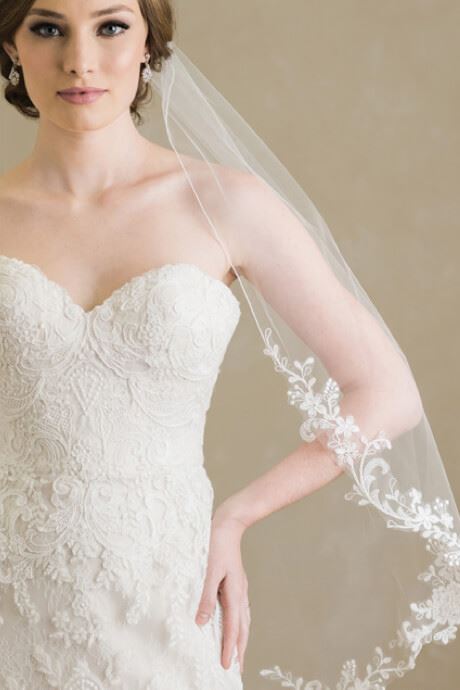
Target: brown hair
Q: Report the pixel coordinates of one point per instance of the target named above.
(158, 14)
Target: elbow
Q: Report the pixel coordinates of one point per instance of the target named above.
(414, 414)
(405, 415)
(409, 405)
(397, 410)
(408, 409)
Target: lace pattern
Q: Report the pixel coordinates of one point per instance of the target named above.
(105, 505)
(435, 619)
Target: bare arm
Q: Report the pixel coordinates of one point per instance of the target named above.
(377, 385)
(276, 253)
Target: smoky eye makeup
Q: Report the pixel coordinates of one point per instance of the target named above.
(36, 28)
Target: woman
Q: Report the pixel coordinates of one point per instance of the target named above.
(113, 339)
(75, 179)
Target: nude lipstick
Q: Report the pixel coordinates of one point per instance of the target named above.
(81, 96)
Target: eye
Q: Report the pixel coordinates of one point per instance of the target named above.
(120, 25)
(36, 28)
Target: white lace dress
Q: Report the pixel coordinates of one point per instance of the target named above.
(105, 505)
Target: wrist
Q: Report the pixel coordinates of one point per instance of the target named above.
(227, 516)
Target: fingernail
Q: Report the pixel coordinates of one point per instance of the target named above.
(202, 617)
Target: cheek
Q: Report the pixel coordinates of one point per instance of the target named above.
(37, 64)
(124, 63)
(40, 79)
(122, 75)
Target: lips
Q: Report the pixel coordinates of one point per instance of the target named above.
(81, 97)
(76, 90)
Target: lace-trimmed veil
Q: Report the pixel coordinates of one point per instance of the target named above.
(383, 575)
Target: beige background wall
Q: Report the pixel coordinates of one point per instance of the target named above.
(371, 133)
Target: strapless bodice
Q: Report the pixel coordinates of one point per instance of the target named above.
(141, 365)
(104, 500)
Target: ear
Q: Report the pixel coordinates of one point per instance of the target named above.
(10, 49)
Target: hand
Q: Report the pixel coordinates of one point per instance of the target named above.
(226, 577)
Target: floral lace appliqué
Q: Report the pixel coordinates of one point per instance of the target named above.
(105, 504)
(438, 617)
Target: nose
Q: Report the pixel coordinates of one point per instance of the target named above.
(77, 71)
(77, 58)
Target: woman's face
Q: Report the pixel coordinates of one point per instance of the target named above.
(76, 43)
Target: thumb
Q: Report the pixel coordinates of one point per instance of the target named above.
(207, 603)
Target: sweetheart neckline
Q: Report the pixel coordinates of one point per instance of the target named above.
(155, 270)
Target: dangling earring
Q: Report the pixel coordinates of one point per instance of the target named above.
(147, 73)
(14, 75)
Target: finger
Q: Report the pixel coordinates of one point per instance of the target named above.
(205, 609)
(243, 634)
(231, 622)
(207, 603)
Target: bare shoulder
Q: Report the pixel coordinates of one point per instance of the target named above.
(238, 209)
(255, 217)
(264, 228)
(252, 199)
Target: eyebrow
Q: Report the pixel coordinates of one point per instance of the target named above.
(99, 13)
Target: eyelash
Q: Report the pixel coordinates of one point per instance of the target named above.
(122, 25)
